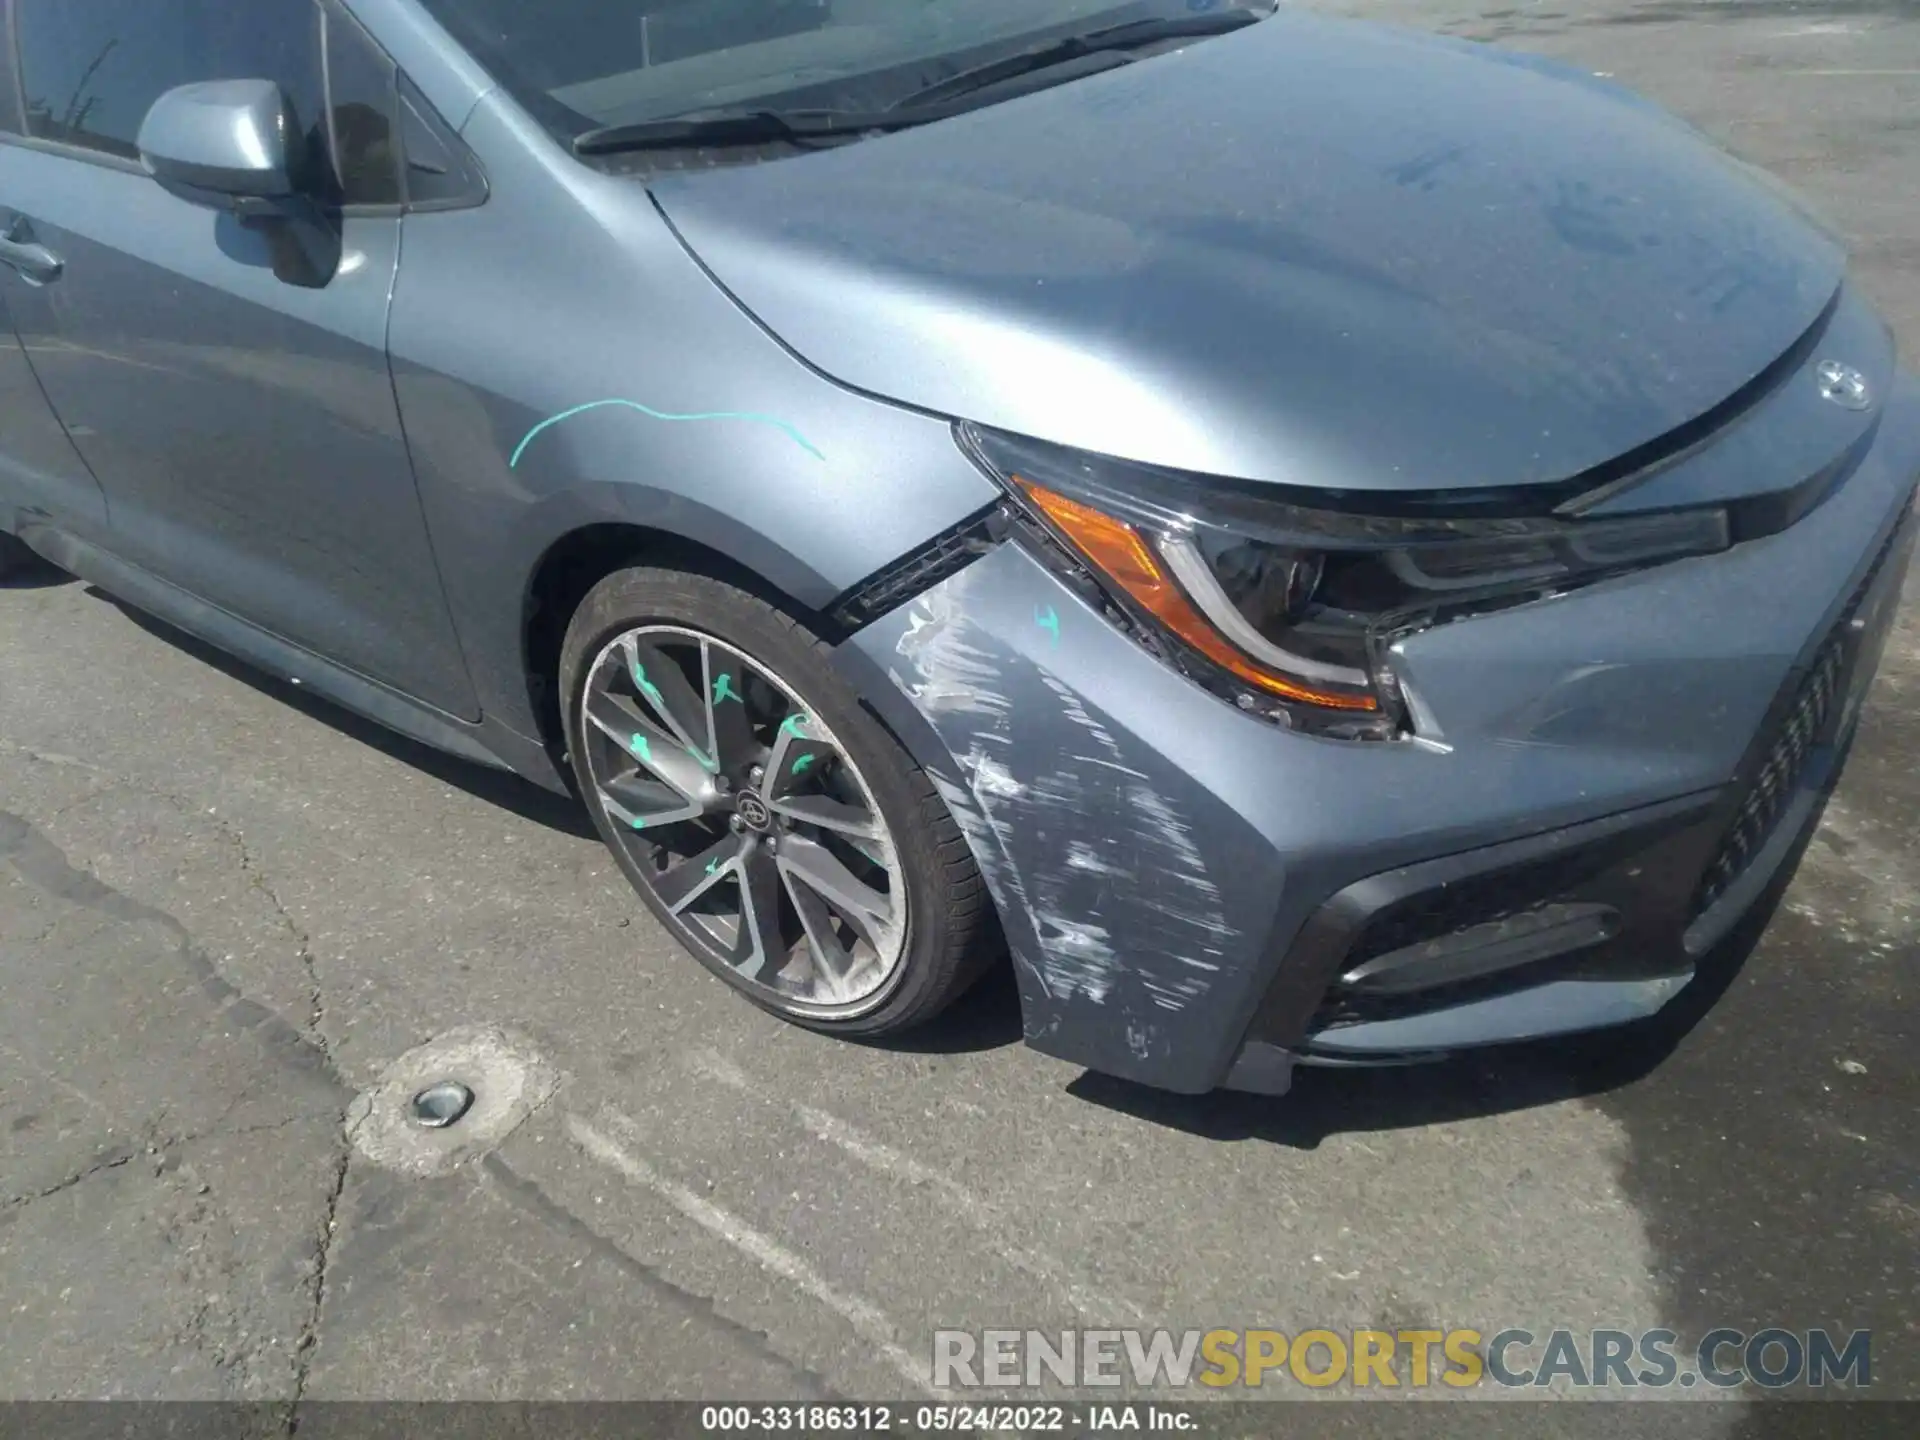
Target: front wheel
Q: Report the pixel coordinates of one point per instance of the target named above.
(770, 822)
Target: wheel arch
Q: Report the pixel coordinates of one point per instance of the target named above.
(579, 557)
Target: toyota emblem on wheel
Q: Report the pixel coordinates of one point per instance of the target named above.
(1843, 385)
(752, 810)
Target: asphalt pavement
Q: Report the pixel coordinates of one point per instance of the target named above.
(230, 915)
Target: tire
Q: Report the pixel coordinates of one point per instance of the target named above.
(641, 626)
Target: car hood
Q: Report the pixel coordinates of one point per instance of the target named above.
(1310, 252)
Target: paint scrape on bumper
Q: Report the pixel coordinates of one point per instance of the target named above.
(1086, 837)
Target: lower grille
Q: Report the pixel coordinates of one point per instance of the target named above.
(1779, 776)
(1800, 731)
(1513, 896)
(1481, 900)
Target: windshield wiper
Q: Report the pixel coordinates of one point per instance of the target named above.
(746, 127)
(743, 126)
(1113, 38)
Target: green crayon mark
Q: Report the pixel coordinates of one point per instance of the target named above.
(641, 747)
(638, 822)
(647, 687)
(1046, 619)
(713, 864)
(705, 763)
(803, 762)
(791, 725)
(723, 689)
(754, 417)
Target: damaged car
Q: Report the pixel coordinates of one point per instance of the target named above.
(1322, 544)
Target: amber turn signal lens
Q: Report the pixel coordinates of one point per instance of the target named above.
(1122, 554)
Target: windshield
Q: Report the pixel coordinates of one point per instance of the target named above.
(579, 65)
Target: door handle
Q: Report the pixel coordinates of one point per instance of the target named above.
(35, 263)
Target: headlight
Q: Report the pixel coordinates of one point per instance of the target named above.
(1287, 600)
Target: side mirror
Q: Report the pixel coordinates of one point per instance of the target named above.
(234, 145)
(222, 140)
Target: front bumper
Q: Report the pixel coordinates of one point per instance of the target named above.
(1604, 782)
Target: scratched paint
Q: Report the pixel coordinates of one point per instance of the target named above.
(954, 675)
(1187, 865)
(750, 416)
(949, 675)
(991, 777)
(1081, 906)
(958, 676)
(1160, 835)
(1080, 956)
(1108, 864)
(1082, 856)
(1137, 873)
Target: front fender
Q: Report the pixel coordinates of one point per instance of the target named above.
(561, 361)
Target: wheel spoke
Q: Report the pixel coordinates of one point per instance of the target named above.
(729, 727)
(630, 806)
(646, 743)
(662, 686)
(868, 910)
(797, 762)
(828, 813)
(833, 963)
(680, 884)
(760, 940)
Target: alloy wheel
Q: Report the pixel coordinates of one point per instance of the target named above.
(746, 818)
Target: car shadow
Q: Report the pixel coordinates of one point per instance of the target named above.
(1497, 1080)
(36, 574)
(497, 787)
(987, 1017)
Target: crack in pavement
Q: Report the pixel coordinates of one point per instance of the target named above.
(258, 880)
(42, 864)
(256, 876)
(112, 1159)
(308, 1339)
(118, 1155)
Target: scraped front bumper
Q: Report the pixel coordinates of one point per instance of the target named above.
(1604, 782)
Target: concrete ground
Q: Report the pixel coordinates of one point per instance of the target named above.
(226, 911)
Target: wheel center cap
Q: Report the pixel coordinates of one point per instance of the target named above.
(753, 810)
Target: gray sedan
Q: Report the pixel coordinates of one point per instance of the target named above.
(1321, 544)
